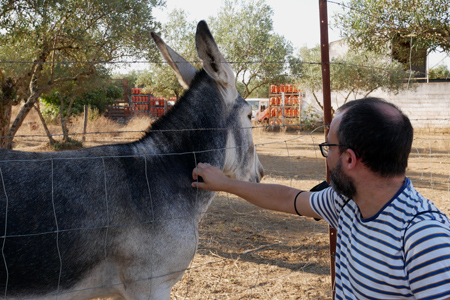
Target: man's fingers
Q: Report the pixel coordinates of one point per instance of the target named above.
(210, 176)
(199, 185)
(195, 173)
(198, 171)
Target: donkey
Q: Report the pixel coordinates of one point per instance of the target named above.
(121, 221)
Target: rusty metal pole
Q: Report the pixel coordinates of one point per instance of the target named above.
(327, 116)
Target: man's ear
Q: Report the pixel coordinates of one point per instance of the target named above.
(350, 158)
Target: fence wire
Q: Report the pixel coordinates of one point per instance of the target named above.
(223, 268)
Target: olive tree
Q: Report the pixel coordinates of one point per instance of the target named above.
(374, 24)
(38, 36)
(244, 33)
(159, 78)
(354, 73)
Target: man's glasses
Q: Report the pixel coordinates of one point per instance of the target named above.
(325, 148)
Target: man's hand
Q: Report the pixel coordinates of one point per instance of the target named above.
(213, 177)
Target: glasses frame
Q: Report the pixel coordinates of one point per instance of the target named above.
(323, 151)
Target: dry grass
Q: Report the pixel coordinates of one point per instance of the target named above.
(32, 137)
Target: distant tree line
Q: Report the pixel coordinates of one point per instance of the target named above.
(61, 52)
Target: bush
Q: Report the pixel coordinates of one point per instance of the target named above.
(71, 144)
(98, 99)
(440, 72)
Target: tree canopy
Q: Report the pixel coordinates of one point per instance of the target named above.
(179, 34)
(356, 73)
(40, 38)
(373, 24)
(244, 33)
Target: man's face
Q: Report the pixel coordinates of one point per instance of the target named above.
(340, 182)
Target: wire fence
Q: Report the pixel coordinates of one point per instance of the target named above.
(245, 252)
(248, 253)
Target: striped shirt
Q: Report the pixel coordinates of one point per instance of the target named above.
(403, 252)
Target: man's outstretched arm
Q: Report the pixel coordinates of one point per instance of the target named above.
(269, 196)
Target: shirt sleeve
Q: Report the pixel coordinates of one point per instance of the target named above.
(327, 204)
(427, 259)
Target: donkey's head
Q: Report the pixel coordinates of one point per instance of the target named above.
(241, 160)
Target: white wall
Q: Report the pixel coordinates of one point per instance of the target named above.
(427, 104)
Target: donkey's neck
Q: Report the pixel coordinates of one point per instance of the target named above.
(196, 123)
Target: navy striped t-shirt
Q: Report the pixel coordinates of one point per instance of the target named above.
(403, 252)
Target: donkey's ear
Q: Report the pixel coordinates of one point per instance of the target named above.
(212, 60)
(184, 71)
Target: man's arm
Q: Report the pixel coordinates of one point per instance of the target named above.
(269, 196)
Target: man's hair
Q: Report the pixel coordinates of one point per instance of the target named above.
(379, 133)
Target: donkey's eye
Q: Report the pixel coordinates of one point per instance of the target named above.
(249, 116)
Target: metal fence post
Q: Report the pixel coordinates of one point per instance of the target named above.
(327, 116)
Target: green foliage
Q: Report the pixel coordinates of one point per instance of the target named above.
(131, 78)
(375, 24)
(364, 72)
(178, 33)
(355, 73)
(98, 99)
(58, 42)
(310, 118)
(440, 72)
(262, 91)
(244, 33)
(70, 144)
(78, 30)
(311, 72)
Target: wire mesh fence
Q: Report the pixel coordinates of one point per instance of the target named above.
(248, 253)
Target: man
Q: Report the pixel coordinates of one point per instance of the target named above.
(392, 243)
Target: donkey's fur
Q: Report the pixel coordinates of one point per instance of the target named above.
(121, 221)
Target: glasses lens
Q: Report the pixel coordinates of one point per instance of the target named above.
(326, 148)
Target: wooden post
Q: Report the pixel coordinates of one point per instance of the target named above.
(327, 116)
(83, 139)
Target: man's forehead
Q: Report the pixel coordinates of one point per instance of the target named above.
(334, 126)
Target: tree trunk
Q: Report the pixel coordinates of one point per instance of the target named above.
(20, 118)
(49, 135)
(63, 122)
(85, 123)
(6, 102)
(5, 120)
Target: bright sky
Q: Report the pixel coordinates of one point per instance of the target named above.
(296, 20)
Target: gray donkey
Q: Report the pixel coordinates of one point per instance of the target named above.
(121, 221)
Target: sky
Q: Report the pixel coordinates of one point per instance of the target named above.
(297, 20)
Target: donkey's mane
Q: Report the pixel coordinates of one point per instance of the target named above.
(185, 113)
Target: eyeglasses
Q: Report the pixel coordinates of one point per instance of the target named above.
(325, 148)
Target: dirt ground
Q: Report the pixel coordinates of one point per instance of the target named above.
(248, 253)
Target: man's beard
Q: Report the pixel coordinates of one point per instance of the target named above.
(342, 183)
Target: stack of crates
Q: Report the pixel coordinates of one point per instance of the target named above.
(146, 104)
(285, 103)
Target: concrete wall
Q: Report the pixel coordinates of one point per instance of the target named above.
(426, 104)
